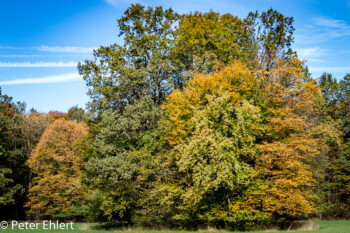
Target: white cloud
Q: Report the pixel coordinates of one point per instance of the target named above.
(8, 47)
(112, 2)
(335, 69)
(48, 79)
(317, 60)
(56, 49)
(64, 49)
(329, 22)
(323, 29)
(344, 51)
(333, 28)
(119, 2)
(38, 64)
(309, 53)
(20, 55)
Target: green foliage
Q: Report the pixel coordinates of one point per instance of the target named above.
(337, 174)
(120, 75)
(216, 160)
(231, 138)
(110, 178)
(8, 193)
(274, 36)
(130, 128)
(195, 120)
(13, 171)
(331, 94)
(75, 113)
(117, 184)
(208, 39)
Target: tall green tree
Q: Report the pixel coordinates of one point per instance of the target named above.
(274, 36)
(13, 171)
(142, 65)
(126, 142)
(206, 40)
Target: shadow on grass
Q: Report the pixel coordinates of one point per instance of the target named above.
(111, 226)
(120, 226)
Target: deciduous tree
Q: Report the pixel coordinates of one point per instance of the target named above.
(57, 166)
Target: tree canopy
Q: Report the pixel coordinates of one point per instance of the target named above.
(195, 120)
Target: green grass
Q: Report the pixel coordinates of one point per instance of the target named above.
(324, 227)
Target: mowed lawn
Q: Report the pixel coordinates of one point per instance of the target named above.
(324, 227)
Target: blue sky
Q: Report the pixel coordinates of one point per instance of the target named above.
(41, 41)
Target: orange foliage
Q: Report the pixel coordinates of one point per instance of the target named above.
(55, 115)
(289, 144)
(57, 167)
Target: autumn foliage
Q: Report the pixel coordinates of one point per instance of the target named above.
(248, 148)
(197, 120)
(57, 167)
(55, 115)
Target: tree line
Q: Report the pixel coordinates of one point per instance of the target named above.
(195, 120)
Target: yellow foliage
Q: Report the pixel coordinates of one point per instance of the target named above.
(290, 145)
(57, 168)
(235, 79)
(280, 181)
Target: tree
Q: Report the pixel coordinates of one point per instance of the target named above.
(340, 170)
(212, 126)
(235, 79)
(289, 144)
(274, 36)
(125, 145)
(215, 121)
(75, 113)
(128, 83)
(254, 172)
(57, 167)
(31, 129)
(208, 39)
(128, 129)
(331, 94)
(33, 126)
(157, 57)
(55, 115)
(13, 172)
(112, 187)
(336, 106)
(122, 74)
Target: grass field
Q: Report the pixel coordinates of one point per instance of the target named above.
(324, 227)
